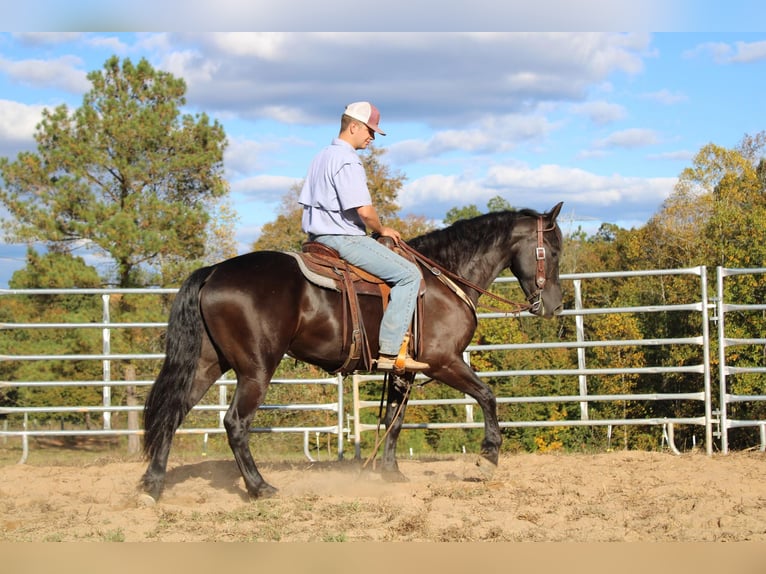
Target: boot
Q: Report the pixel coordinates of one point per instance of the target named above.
(400, 365)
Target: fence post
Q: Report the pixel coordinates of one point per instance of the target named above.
(25, 440)
(706, 362)
(357, 414)
(340, 416)
(106, 363)
(580, 329)
(222, 402)
(468, 407)
(134, 444)
(723, 408)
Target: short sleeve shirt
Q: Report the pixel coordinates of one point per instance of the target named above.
(335, 186)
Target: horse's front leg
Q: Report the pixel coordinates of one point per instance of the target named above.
(398, 394)
(460, 376)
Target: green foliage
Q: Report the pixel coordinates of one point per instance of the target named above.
(716, 216)
(53, 270)
(125, 174)
(457, 213)
(496, 203)
(284, 233)
(62, 271)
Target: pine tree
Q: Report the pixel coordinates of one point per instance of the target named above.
(125, 175)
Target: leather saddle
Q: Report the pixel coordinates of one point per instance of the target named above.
(323, 266)
(327, 263)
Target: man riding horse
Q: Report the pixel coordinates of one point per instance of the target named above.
(338, 210)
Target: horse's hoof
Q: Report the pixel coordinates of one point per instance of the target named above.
(486, 467)
(145, 499)
(394, 476)
(151, 488)
(264, 491)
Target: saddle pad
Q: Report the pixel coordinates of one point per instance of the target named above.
(312, 276)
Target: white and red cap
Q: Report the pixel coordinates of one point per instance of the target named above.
(366, 113)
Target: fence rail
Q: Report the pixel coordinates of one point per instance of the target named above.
(714, 412)
(727, 371)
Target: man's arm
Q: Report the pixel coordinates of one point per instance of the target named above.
(369, 216)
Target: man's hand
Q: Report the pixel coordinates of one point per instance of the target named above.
(392, 233)
(370, 218)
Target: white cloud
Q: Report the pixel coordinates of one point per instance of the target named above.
(630, 138)
(272, 75)
(246, 235)
(63, 72)
(189, 65)
(112, 43)
(17, 126)
(600, 112)
(749, 52)
(724, 53)
(540, 188)
(679, 155)
(261, 45)
(244, 157)
(492, 134)
(442, 189)
(47, 38)
(266, 188)
(665, 97)
(581, 185)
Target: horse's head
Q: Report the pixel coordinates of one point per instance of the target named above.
(535, 262)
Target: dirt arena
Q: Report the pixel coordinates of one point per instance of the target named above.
(618, 496)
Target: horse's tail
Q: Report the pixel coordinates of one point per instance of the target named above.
(168, 400)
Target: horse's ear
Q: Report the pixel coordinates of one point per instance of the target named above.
(554, 213)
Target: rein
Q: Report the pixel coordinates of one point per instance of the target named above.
(533, 300)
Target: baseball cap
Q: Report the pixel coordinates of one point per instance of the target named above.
(366, 113)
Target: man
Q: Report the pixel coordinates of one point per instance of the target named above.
(337, 211)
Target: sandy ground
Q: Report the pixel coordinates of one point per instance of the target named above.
(618, 496)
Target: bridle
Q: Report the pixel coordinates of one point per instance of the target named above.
(449, 278)
(535, 299)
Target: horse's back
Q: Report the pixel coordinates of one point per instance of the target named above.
(261, 304)
(252, 288)
(261, 265)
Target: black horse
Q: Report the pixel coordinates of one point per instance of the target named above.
(247, 312)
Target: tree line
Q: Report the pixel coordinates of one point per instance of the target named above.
(128, 177)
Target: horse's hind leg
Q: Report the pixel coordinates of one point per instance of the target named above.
(250, 394)
(398, 394)
(208, 371)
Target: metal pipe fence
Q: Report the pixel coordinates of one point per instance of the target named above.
(106, 357)
(584, 369)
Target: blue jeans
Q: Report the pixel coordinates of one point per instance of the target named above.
(402, 275)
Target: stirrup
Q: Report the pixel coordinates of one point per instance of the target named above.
(400, 365)
(402, 362)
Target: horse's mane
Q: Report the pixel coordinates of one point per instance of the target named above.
(467, 239)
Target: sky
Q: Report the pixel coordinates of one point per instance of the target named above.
(603, 121)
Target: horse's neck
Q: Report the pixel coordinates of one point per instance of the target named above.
(481, 264)
(478, 251)
(482, 269)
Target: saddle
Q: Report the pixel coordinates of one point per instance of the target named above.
(324, 267)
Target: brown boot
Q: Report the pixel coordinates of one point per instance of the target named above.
(407, 364)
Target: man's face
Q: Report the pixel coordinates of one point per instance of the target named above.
(363, 135)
